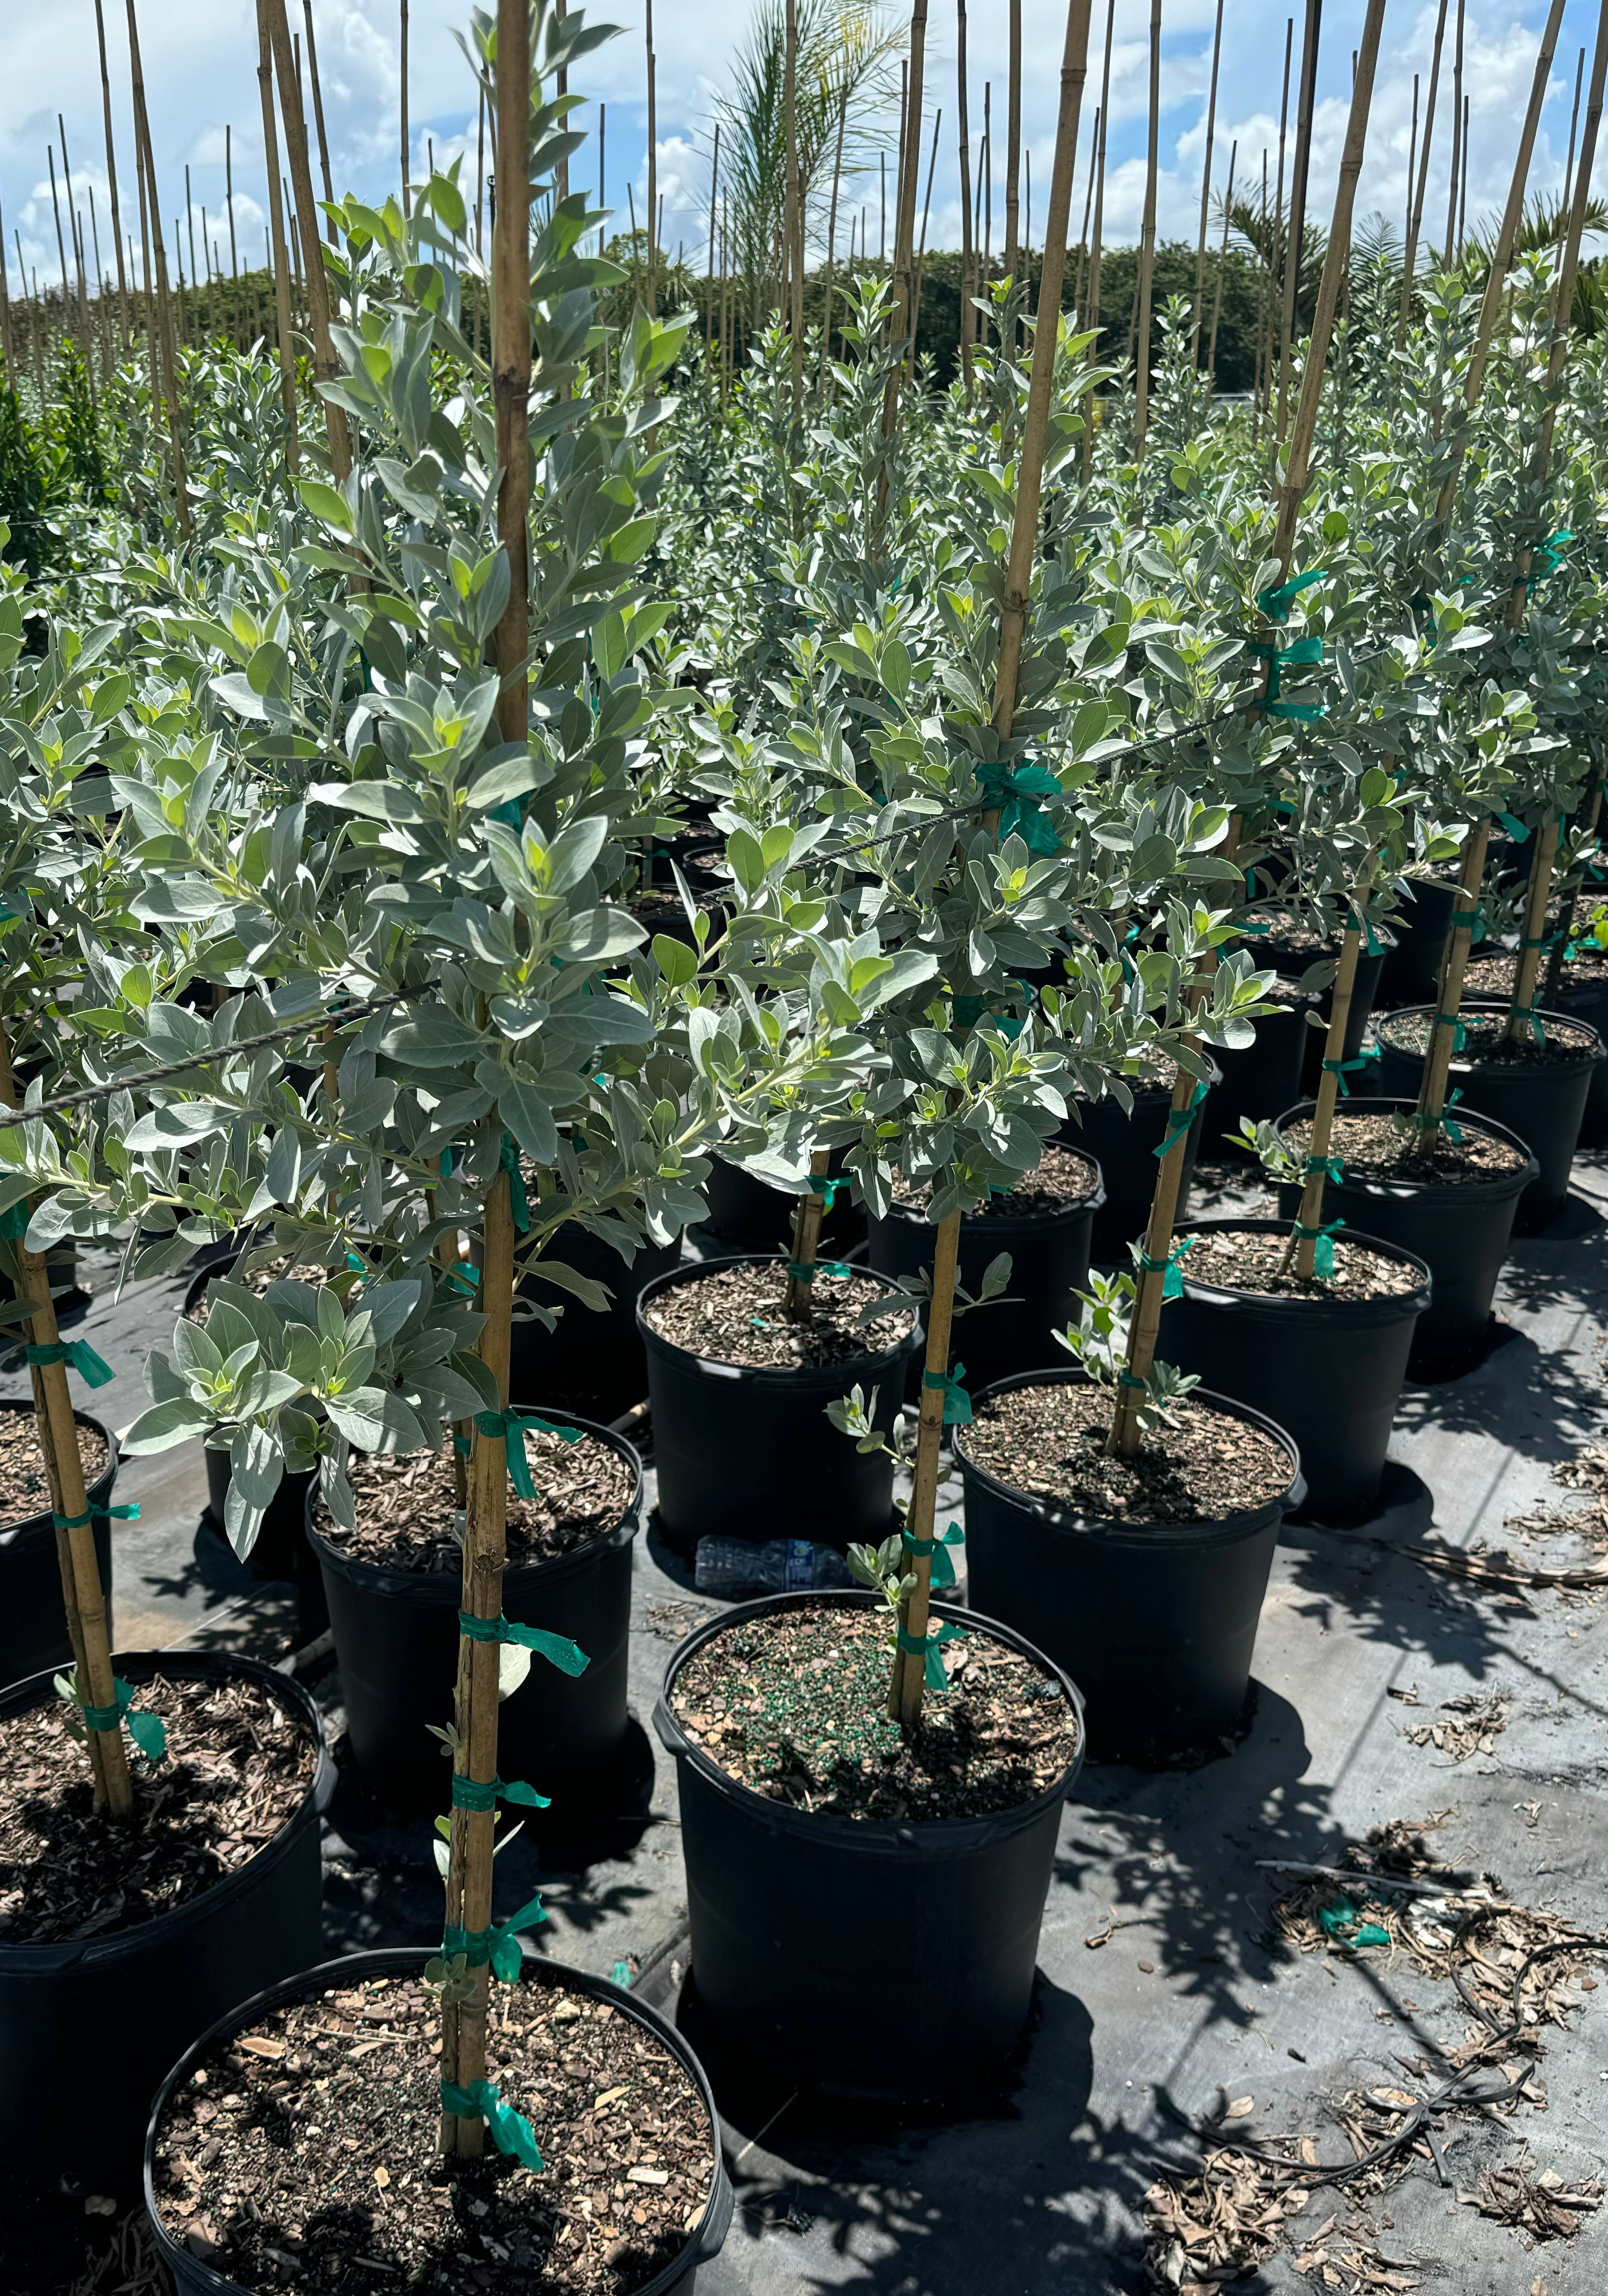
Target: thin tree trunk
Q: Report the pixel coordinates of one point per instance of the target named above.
(277, 249)
(1409, 260)
(325, 365)
(1141, 405)
(1205, 190)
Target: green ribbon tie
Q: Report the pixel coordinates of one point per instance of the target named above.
(1448, 1122)
(1423, 603)
(806, 1271)
(1323, 1246)
(1361, 925)
(1343, 1923)
(148, 1731)
(1519, 831)
(820, 1186)
(1129, 1379)
(1181, 1120)
(117, 1514)
(464, 1277)
(1018, 794)
(1459, 1033)
(1277, 598)
(1173, 1285)
(1341, 1070)
(1551, 550)
(508, 1161)
(446, 1163)
(1528, 1012)
(512, 1426)
(927, 1648)
(956, 1403)
(461, 1446)
(469, 1793)
(1333, 1168)
(510, 2131)
(91, 1368)
(499, 1946)
(557, 1649)
(943, 1570)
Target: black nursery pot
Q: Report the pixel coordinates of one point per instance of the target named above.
(1542, 1103)
(1125, 1148)
(1459, 1230)
(33, 1625)
(747, 1214)
(1157, 1621)
(799, 1922)
(1412, 965)
(396, 1645)
(280, 1547)
(594, 1355)
(1329, 1372)
(193, 2278)
(130, 1999)
(1364, 992)
(746, 1453)
(1048, 1262)
(1257, 1081)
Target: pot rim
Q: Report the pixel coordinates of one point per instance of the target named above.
(911, 1216)
(1494, 1007)
(1404, 1185)
(705, 2239)
(1140, 1091)
(135, 1666)
(11, 1532)
(443, 1586)
(1378, 1307)
(1153, 1535)
(875, 1835)
(774, 1375)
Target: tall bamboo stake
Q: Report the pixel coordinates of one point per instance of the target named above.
(1455, 171)
(1141, 410)
(111, 152)
(1309, 1219)
(8, 349)
(1275, 258)
(190, 227)
(653, 161)
(969, 286)
(709, 282)
(318, 115)
(927, 208)
(1574, 126)
(905, 247)
(561, 173)
(1463, 184)
(229, 201)
(1305, 107)
(1079, 277)
(1097, 235)
(826, 322)
(278, 255)
(401, 79)
(1205, 190)
(1412, 168)
(1449, 992)
(150, 220)
(1013, 136)
(1522, 1020)
(50, 155)
(793, 234)
(325, 365)
(1222, 264)
(1409, 260)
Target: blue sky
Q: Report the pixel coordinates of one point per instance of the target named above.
(200, 75)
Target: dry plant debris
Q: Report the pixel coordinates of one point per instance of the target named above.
(1541, 2206)
(1479, 1722)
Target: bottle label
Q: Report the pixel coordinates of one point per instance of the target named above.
(799, 1570)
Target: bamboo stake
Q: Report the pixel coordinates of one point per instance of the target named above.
(1013, 137)
(1102, 116)
(653, 161)
(1336, 256)
(277, 252)
(8, 350)
(968, 249)
(1080, 276)
(1205, 190)
(480, 179)
(1412, 168)
(806, 1240)
(190, 227)
(325, 365)
(794, 237)
(904, 294)
(1522, 1020)
(1275, 258)
(150, 220)
(83, 1598)
(401, 79)
(111, 154)
(1309, 1219)
(1123, 1441)
(825, 323)
(511, 376)
(1222, 264)
(908, 1682)
(1452, 180)
(1141, 412)
(1463, 184)
(1294, 244)
(50, 155)
(1409, 260)
(318, 115)
(927, 208)
(561, 174)
(1562, 306)
(1449, 993)
(229, 201)
(1574, 124)
(709, 282)
(602, 168)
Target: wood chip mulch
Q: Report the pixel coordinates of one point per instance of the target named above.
(1486, 1046)
(408, 1504)
(303, 2156)
(1374, 1149)
(794, 1705)
(1049, 1441)
(1058, 1182)
(24, 1485)
(237, 1768)
(739, 1315)
(1242, 1260)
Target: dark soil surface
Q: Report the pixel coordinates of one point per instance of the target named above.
(796, 1706)
(1485, 1045)
(1148, 1073)
(1050, 1441)
(406, 1504)
(1374, 1150)
(24, 1485)
(1242, 1260)
(1287, 936)
(303, 2155)
(256, 1280)
(739, 1315)
(1060, 1179)
(237, 1767)
(1492, 972)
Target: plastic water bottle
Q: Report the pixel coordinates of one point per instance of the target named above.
(782, 1566)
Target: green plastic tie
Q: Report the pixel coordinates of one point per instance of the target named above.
(1448, 1123)
(499, 1946)
(1172, 1286)
(1018, 792)
(1182, 1119)
(1129, 1379)
(1360, 924)
(1323, 1246)
(512, 2133)
(148, 1731)
(446, 1163)
(1342, 1923)
(461, 1446)
(469, 1793)
(926, 1647)
(464, 1277)
(820, 1186)
(1333, 1168)
(806, 1271)
(512, 1426)
(117, 1513)
(557, 1649)
(943, 1570)
(956, 1403)
(1340, 1071)
(1277, 598)
(1459, 1033)
(1530, 1013)
(1519, 831)
(1552, 552)
(508, 1161)
(92, 1369)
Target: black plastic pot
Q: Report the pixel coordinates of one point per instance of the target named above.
(1125, 1148)
(1258, 1082)
(1157, 1621)
(280, 1550)
(1364, 992)
(1412, 966)
(594, 1357)
(396, 1645)
(193, 2278)
(749, 1453)
(1540, 1103)
(128, 2000)
(1589, 1002)
(1327, 1372)
(799, 1922)
(1459, 1230)
(33, 1625)
(747, 1214)
(1048, 1262)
